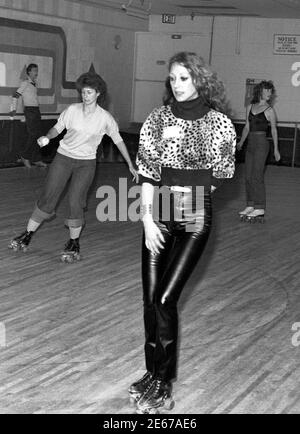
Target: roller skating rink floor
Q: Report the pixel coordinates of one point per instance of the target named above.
(71, 334)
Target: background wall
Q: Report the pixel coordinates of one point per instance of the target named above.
(94, 36)
(131, 54)
(242, 48)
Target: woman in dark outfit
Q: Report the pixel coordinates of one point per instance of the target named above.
(258, 116)
(187, 146)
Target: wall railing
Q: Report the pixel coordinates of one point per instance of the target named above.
(287, 134)
(288, 137)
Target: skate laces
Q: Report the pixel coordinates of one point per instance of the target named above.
(25, 237)
(146, 378)
(154, 389)
(157, 386)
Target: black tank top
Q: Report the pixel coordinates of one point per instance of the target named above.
(258, 122)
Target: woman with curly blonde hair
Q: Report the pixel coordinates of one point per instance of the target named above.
(186, 146)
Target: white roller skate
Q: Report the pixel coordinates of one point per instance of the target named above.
(243, 214)
(158, 395)
(258, 215)
(71, 251)
(139, 387)
(21, 242)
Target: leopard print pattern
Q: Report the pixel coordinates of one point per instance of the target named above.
(168, 141)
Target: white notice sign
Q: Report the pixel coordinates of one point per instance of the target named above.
(286, 44)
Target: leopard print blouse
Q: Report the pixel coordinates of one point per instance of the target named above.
(168, 141)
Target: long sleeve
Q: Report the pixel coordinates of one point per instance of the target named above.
(19, 92)
(223, 146)
(148, 157)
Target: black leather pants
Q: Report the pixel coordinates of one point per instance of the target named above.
(164, 276)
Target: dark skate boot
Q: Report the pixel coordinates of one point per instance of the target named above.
(71, 251)
(158, 395)
(21, 242)
(258, 215)
(243, 214)
(137, 389)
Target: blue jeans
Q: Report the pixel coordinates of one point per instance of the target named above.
(256, 154)
(62, 169)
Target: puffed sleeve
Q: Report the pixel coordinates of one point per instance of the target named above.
(223, 147)
(148, 158)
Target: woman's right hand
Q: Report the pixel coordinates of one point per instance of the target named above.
(43, 141)
(239, 146)
(153, 237)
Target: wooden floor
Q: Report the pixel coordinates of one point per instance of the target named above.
(71, 335)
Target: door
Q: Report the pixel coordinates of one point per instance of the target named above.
(152, 53)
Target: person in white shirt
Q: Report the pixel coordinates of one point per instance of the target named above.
(28, 92)
(86, 123)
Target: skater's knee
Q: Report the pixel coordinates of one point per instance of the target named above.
(77, 203)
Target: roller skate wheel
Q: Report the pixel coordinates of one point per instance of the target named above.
(67, 259)
(147, 411)
(153, 411)
(169, 404)
(13, 245)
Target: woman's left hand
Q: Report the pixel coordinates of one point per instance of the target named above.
(134, 174)
(277, 155)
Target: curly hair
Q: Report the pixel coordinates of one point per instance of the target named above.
(205, 80)
(258, 89)
(94, 81)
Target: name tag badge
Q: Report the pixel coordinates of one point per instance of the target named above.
(172, 132)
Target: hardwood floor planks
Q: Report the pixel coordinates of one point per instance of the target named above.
(74, 332)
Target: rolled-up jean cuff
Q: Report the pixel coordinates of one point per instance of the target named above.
(74, 223)
(39, 215)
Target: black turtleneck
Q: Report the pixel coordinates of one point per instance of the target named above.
(190, 110)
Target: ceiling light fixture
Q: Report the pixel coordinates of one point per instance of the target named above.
(137, 11)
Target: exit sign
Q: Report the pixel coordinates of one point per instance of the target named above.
(168, 18)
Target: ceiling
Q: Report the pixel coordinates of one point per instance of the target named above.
(260, 8)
